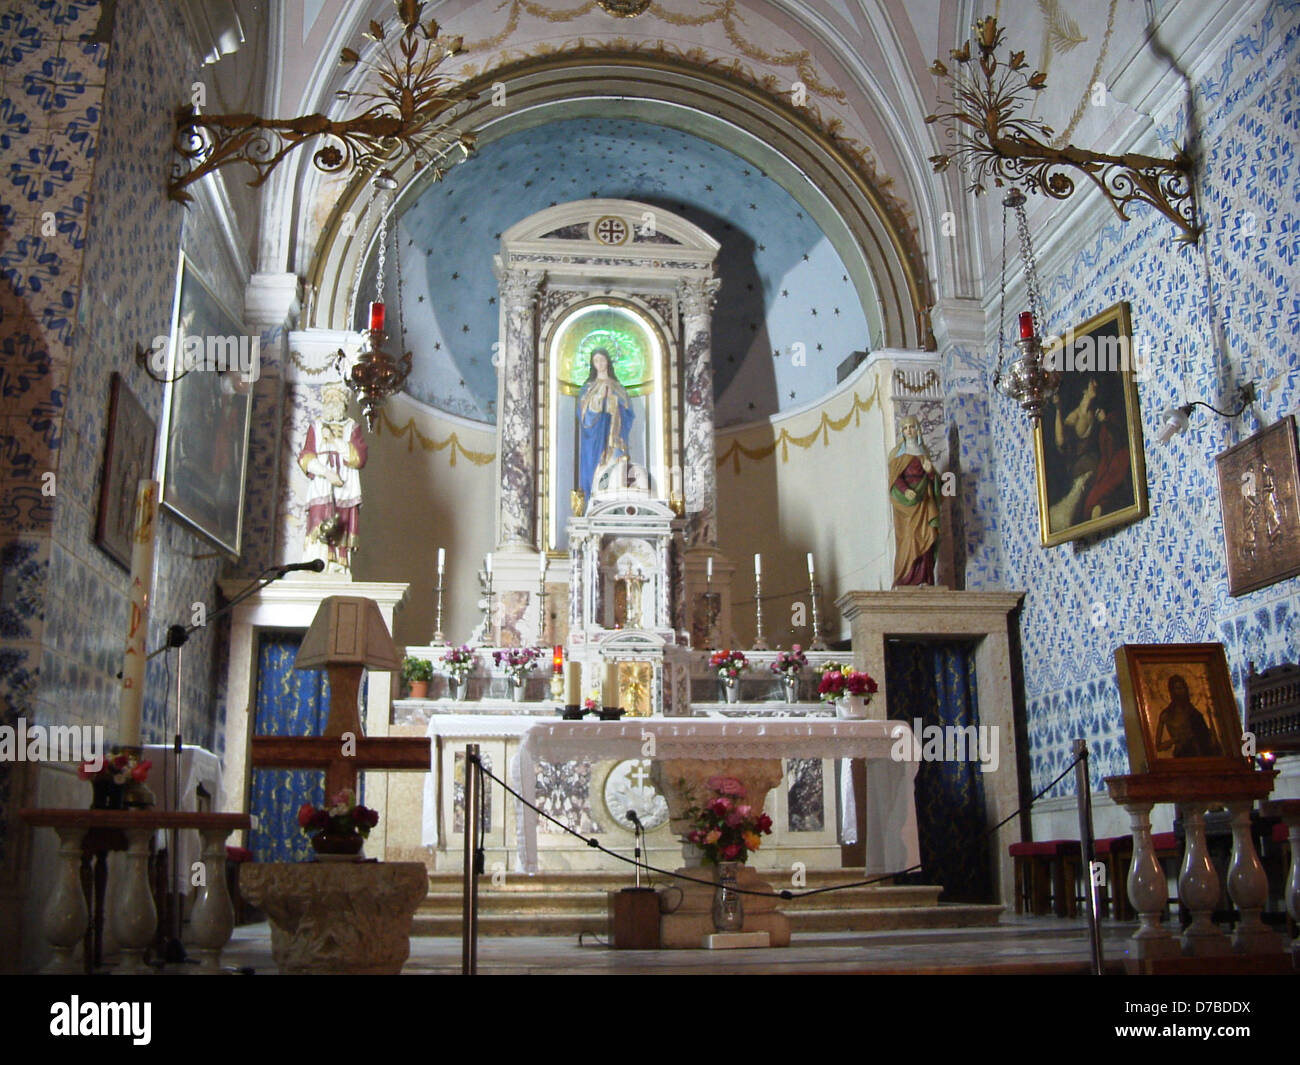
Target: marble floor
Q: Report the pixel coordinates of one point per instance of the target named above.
(1016, 945)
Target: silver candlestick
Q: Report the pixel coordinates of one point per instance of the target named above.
(486, 578)
(438, 638)
(760, 641)
(818, 643)
(541, 611)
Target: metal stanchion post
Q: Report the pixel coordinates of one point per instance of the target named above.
(469, 910)
(1084, 791)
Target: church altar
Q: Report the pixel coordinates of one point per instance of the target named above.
(891, 810)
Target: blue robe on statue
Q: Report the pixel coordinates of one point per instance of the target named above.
(602, 432)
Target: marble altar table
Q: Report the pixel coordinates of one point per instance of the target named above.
(132, 913)
(337, 917)
(891, 810)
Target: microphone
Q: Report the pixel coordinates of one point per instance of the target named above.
(631, 816)
(316, 566)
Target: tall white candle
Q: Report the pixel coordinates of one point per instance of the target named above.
(811, 571)
(541, 564)
(142, 552)
(609, 694)
(708, 569)
(758, 565)
(677, 481)
(442, 560)
(487, 563)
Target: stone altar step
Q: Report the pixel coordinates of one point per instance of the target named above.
(569, 903)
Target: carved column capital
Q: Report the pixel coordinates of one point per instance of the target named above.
(698, 295)
(519, 287)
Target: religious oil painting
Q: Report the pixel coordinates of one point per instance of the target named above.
(1179, 710)
(1259, 489)
(211, 364)
(1089, 460)
(128, 457)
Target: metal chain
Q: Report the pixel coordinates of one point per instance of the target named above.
(361, 259)
(1002, 301)
(1031, 270)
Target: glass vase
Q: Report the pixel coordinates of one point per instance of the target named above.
(728, 909)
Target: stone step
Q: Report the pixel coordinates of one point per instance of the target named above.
(843, 920)
(569, 899)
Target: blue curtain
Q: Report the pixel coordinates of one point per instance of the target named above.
(290, 702)
(935, 683)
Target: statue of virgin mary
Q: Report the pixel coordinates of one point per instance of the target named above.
(604, 422)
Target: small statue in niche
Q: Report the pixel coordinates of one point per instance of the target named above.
(332, 455)
(604, 422)
(914, 496)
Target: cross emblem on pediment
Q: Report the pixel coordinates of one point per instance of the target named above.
(611, 230)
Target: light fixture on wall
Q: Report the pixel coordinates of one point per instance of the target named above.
(1027, 380)
(985, 116)
(407, 114)
(1174, 421)
(376, 375)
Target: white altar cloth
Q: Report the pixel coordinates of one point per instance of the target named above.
(198, 766)
(466, 726)
(891, 843)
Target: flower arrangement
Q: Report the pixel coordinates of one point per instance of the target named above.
(459, 660)
(121, 767)
(729, 664)
(518, 661)
(830, 685)
(789, 663)
(846, 681)
(343, 816)
(727, 828)
(591, 705)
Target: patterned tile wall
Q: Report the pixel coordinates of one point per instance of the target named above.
(1162, 579)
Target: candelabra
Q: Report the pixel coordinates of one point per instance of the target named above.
(541, 611)
(760, 641)
(438, 638)
(486, 578)
(818, 643)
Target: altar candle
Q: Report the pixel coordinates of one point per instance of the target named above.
(609, 694)
(811, 571)
(677, 481)
(1026, 325)
(557, 659)
(142, 554)
(377, 317)
(573, 683)
(708, 569)
(541, 565)
(758, 565)
(442, 560)
(487, 563)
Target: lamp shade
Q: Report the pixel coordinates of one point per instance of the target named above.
(348, 631)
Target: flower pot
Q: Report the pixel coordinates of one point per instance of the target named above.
(458, 686)
(728, 907)
(419, 689)
(107, 795)
(790, 686)
(517, 689)
(730, 689)
(853, 707)
(337, 844)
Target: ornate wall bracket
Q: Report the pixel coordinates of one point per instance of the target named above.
(408, 113)
(993, 143)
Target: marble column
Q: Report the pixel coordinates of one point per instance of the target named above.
(518, 427)
(699, 460)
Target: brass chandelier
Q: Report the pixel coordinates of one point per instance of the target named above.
(995, 141)
(408, 113)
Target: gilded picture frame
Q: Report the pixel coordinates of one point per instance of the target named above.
(128, 458)
(1089, 460)
(1180, 714)
(204, 461)
(1259, 493)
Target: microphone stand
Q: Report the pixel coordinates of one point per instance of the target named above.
(177, 636)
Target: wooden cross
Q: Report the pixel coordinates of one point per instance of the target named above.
(347, 635)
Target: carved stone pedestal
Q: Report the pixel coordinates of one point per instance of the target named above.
(684, 783)
(337, 917)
